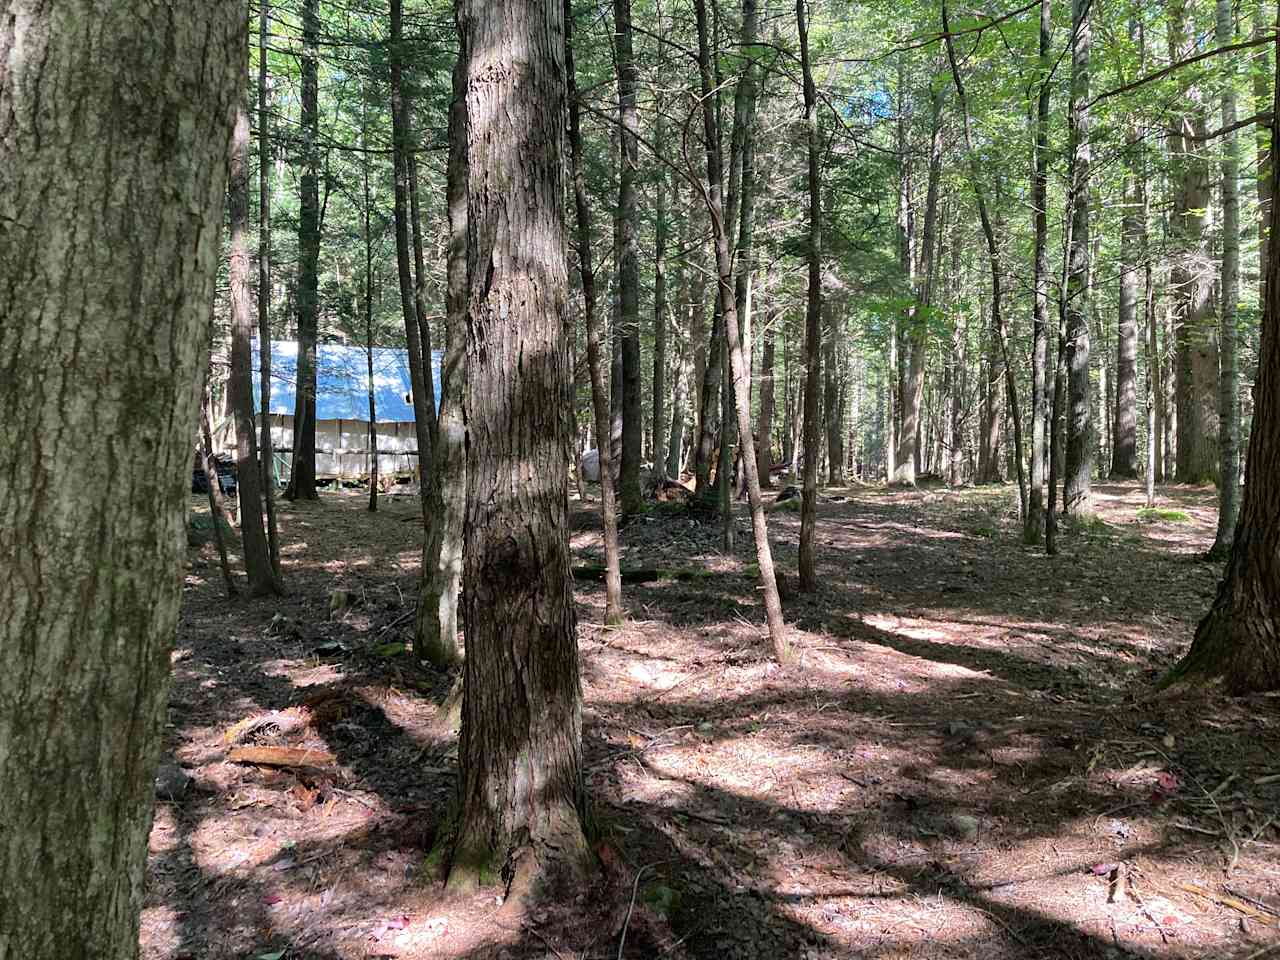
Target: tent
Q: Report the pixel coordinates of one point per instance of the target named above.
(342, 409)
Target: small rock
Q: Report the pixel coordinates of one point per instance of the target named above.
(172, 782)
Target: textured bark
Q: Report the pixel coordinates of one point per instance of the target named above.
(1079, 453)
(1262, 93)
(257, 554)
(595, 360)
(1229, 374)
(420, 296)
(736, 355)
(1124, 435)
(812, 316)
(423, 401)
(1033, 528)
(520, 786)
(266, 447)
(435, 636)
(630, 496)
(302, 476)
(1191, 277)
(111, 199)
(1238, 641)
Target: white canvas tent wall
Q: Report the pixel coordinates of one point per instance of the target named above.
(342, 409)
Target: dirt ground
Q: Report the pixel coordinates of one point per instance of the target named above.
(966, 759)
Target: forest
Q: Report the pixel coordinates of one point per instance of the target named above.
(658, 478)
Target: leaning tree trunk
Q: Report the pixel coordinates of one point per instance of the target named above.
(738, 366)
(520, 790)
(595, 361)
(1238, 641)
(257, 552)
(812, 317)
(435, 637)
(302, 477)
(1229, 375)
(106, 308)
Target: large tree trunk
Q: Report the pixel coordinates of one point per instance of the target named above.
(1124, 446)
(812, 317)
(521, 790)
(1191, 277)
(630, 496)
(266, 447)
(435, 636)
(1229, 376)
(595, 361)
(423, 401)
(106, 308)
(257, 553)
(1262, 93)
(302, 477)
(1079, 454)
(1238, 641)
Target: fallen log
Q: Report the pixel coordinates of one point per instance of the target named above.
(281, 757)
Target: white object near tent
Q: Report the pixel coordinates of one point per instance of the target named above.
(342, 409)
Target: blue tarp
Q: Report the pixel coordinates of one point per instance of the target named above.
(342, 381)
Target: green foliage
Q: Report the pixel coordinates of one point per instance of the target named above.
(1163, 515)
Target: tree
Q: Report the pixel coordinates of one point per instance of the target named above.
(521, 790)
(1032, 529)
(1238, 641)
(266, 447)
(102, 365)
(257, 553)
(595, 360)
(302, 475)
(435, 637)
(1229, 374)
(812, 316)
(630, 497)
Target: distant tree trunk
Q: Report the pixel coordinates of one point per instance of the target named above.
(630, 496)
(1196, 360)
(302, 477)
(521, 788)
(710, 394)
(423, 402)
(1033, 529)
(831, 398)
(660, 325)
(1124, 449)
(1229, 377)
(813, 316)
(1238, 641)
(266, 448)
(420, 297)
(736, 355)
(106, 308)
(764, 429)
(435, 636)
(257, 552)
(595, 361)
(368, 324)
(1079, 454)
(204, 450)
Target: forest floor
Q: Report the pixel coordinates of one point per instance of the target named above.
(966, 758)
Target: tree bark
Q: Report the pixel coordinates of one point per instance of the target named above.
(1124, 447)
(764, 428)
(106, 308)
(266, 447)
(435, 638)
(521, 788)
(1229, 375)
(204, 449)
(813, 316)
(1238, 641)
(423, 402)
(368, 320)
(599, 396)
(257, 552)
(630, 496)
(1079, 454)
(302, 475)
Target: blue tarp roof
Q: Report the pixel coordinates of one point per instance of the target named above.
(342, 381)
